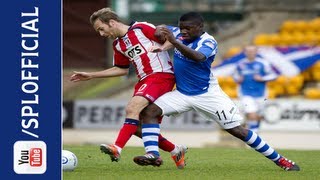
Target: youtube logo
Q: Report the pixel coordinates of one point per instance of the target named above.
(30, 157)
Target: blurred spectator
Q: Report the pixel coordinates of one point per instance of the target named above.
(252, 74)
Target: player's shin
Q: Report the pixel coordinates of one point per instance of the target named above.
(129, 127)
(165, 144)
(254, 141)
(262, 147)
(150, 137)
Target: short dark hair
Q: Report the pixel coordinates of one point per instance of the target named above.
(192, 16)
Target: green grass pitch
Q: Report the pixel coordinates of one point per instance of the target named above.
(202, 163)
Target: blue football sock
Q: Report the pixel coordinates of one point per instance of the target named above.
(259, 145)
(150, 137)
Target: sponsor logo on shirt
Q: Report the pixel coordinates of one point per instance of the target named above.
(135, 51)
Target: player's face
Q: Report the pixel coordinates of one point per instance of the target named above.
(104, 29)
(250, 52)
(190, 30)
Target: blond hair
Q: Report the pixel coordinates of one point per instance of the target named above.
(104, 15)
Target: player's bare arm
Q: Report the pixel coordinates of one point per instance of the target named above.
(166, 46)
(111, 72)
(258, 78)
(239, 79)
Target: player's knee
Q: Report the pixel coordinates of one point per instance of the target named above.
(253, 116)
(132, 111)
(150, 113)
(239, 132)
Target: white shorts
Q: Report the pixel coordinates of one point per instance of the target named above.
(213, 105)
(252, 105)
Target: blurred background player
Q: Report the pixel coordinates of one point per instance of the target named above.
(197, 89)
(252, 74)
(154, 71)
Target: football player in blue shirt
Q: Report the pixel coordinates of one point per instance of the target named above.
(252, 74)
(197, 89)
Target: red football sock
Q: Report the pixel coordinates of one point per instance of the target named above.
(129, 127)
(165, 145)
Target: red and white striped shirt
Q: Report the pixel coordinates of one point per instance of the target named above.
(133, 47)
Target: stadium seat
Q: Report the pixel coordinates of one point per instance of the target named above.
(288, 26)
(314, 24)
(307, 76)
(278, 85)
(316, 76)
(274, 39)
(280, 90)
(230, 82)
(296, 81)
(298, 38)
(231, 92)
(315, 71)
(312, 93)
(301, 26)
(311, 38)
(292, 90)
(282, 80)
(286, 39)
(316, 65)
(232, 51)
(221, 80)
(261, 40)
(227, 81)
(272, 94)
(294, 85)
(277, 88)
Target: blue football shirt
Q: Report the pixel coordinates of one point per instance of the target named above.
(248, 69)
(192, 77)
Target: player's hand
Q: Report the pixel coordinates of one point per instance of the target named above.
(80, 76)
(240, 79)
(155, 49)
(257, 78)
(167, 33)
(158, 34)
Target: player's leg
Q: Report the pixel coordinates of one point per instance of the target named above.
(150, 135)
(257, 143)
(217, 105)
(130, 126)
(162, 83)
(253, 121)
(163, 105)
(146, 91)
(177, 151)
(164, 144)
(251, 108)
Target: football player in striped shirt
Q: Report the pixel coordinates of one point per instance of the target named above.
(154, 71)
(197, 89)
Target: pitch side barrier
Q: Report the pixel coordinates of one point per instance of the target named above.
(280, 114)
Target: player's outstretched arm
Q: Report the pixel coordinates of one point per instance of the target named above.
(164, 47)
(111, 72)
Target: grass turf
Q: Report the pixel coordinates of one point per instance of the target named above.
(202, 163)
